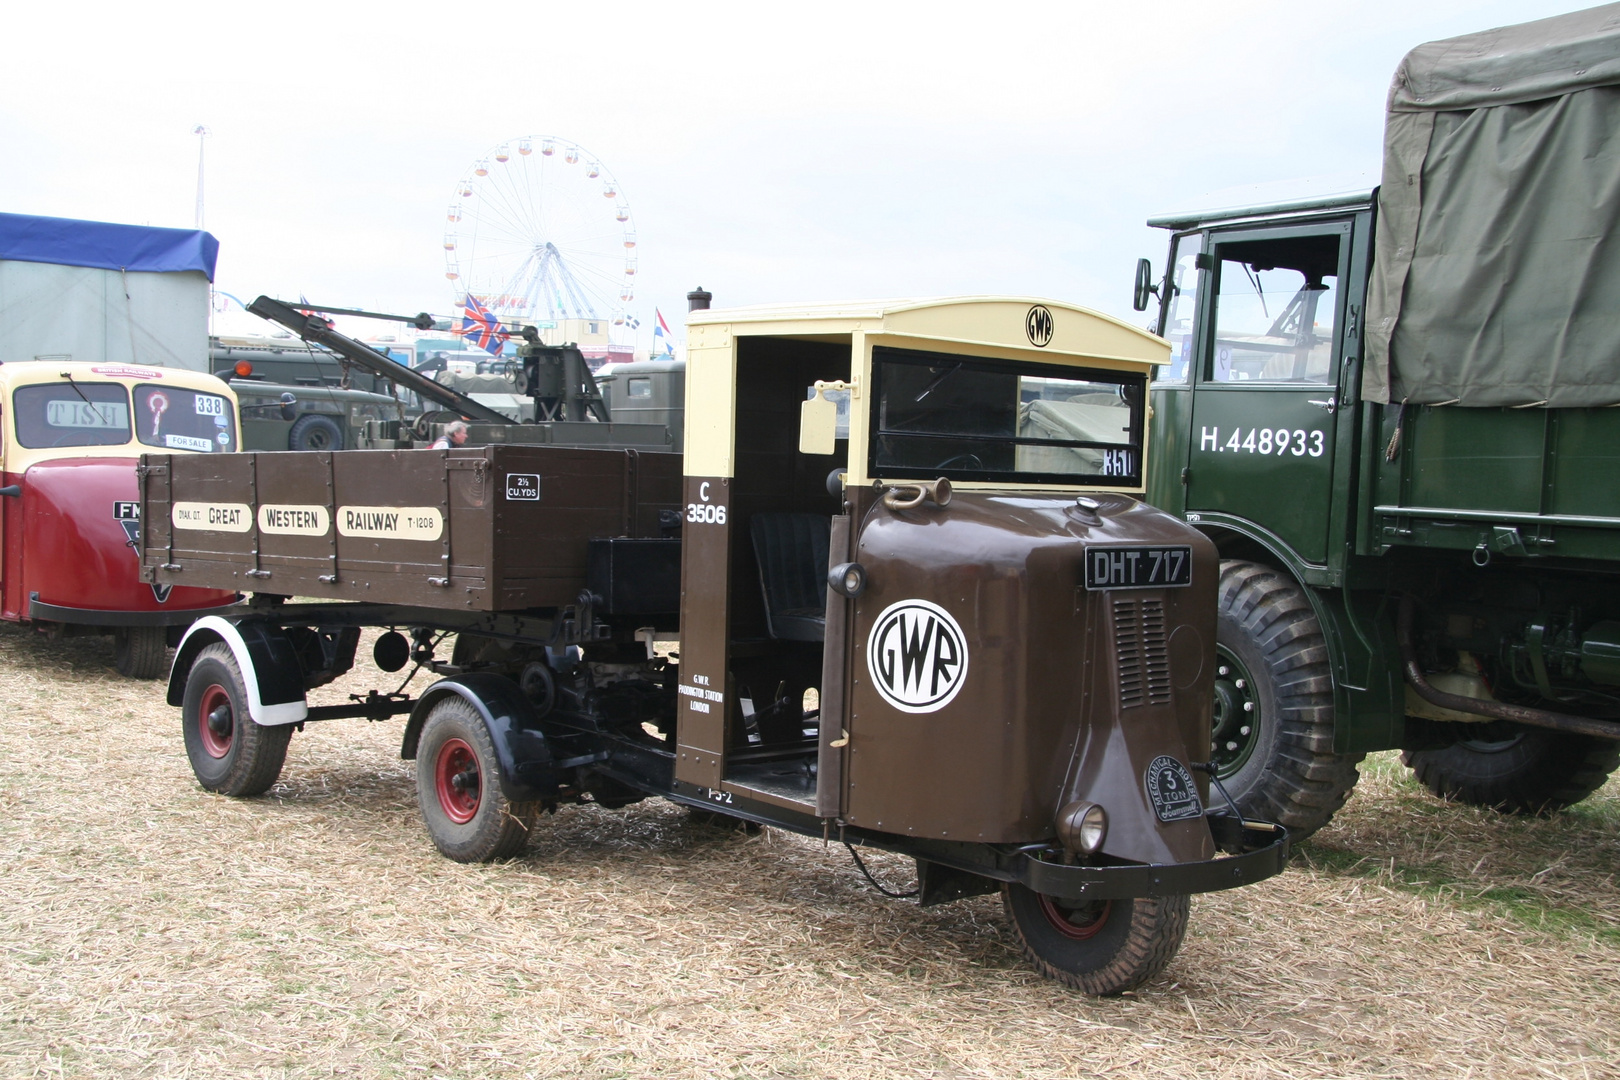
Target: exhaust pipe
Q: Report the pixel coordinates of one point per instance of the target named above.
(1519, 714)
(698, 299)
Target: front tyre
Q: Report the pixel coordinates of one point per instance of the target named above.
(458, 788)
(1516, 769)
(1100, 947)
(229, 753)
(141, 652)
(1272, 739)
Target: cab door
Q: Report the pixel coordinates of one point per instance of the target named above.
(1266, 402)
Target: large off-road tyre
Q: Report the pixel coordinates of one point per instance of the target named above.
(1516, 769)
(141, 652)
(458, 788)
(1100, 947)
(229, 753)
(1272, 740)
(313, 431)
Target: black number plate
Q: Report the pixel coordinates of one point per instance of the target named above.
(1138, 567)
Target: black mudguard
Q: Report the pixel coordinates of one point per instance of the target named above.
(527, 773)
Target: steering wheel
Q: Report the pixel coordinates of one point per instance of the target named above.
(970, 461)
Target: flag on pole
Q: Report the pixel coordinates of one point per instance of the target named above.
(480, 326)
(663, 340)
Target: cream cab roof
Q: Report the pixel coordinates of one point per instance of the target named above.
(1009, 322)
(25, 372)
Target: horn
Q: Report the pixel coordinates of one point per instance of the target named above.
(910, 496)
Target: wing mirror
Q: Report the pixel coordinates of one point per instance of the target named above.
(818, 419)
(288, 412)
(1144, 285)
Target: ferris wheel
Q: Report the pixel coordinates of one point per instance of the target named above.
(539, 231)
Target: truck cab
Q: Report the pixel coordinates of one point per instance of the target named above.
(70, 437)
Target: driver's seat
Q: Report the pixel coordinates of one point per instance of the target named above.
(791, 550)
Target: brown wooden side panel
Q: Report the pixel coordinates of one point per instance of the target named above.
(454, 528)
(539, 543)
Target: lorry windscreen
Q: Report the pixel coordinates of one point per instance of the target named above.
(965, 418)
(71, 414)
(179, 419)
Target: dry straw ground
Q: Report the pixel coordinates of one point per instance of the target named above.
(150, 929)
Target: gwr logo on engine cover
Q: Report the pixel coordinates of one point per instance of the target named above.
(917, 656)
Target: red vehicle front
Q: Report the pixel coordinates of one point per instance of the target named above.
(70, 438)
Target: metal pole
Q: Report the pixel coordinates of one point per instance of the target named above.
(202, 136)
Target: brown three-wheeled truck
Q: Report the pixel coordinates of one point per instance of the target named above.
(915, 599)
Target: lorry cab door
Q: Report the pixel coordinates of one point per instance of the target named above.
(1261, 451)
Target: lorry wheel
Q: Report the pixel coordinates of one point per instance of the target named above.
(229, 753)
(458, 788)
(141, 652)
(1101, 947)
(1272, 737)
(1517, 769)
(315, 432)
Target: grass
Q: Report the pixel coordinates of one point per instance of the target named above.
(149, 929)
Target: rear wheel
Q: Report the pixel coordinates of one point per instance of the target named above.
(1101, 947)
(1517, 769)
(141, 652)
(229, 753)
(1273, 725)
(458, 788)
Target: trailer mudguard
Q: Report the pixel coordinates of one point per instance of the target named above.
(271, 670)
(527, 773)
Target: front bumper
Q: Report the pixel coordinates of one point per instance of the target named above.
(1260, 851)
(42, 612)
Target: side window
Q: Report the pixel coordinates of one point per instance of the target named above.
(1179, 309)
(1275, 305)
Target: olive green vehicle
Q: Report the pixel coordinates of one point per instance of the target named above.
(276, 416)
(1394, 414)
(946, 625)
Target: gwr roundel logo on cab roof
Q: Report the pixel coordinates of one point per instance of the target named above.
(917, 656)
(1038, 326)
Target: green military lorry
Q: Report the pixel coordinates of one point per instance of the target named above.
(1395, 413)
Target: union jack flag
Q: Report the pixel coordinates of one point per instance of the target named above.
(480, 326)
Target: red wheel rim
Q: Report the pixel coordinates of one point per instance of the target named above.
(217, 745)
(1092, 917)
(455, 777)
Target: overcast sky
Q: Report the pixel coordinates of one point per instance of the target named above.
(771, 153)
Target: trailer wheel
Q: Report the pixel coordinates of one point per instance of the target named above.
(1516, 769)
(314, 431)
(458, 788)
(1101, 947)
(1272, 737)
(141, 652)
(229, 753)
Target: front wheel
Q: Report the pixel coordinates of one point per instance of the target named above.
(141, 652)
(1100, 947)
(314, 431)
(458, 788)
(1272, 739)
(1516, 769)
(229, 753)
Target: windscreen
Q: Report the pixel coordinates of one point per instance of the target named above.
(71, 414)
(936, 414)
(179, 419)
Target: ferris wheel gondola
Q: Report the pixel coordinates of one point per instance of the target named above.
(539, 238)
